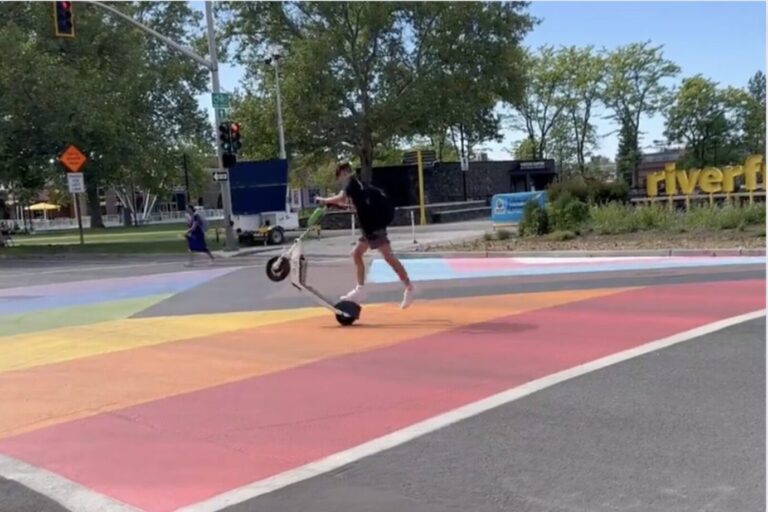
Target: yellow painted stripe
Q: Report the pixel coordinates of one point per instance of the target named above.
(53, 394)
(65, 344)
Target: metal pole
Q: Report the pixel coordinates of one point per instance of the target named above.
(170, 42)
(280, 134)
(422, 209)
(413, 227)
(229, 244)
(186, 178)
(79, 218)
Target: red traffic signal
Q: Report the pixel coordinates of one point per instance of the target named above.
(235, 134)
(64, 25)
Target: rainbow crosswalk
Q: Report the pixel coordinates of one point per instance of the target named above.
(164, 412)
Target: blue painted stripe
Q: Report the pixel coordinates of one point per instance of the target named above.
(437, 269)
(131, 291)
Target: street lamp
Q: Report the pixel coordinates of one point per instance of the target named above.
(273, 59)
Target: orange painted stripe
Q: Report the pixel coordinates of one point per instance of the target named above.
(42, 396)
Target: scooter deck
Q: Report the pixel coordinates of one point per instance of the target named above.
(320, 299)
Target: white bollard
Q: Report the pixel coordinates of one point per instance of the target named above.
(354, 238)
(413, 227)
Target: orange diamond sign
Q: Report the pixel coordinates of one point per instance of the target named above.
(72, 158)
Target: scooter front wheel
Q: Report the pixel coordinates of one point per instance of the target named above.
(278, 271)
(351, 310)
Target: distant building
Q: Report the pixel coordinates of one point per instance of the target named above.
(445, 182)
(654, 162)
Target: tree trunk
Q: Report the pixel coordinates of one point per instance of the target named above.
(94, 206)
(366, 156)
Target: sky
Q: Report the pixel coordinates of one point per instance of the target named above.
(724, 41)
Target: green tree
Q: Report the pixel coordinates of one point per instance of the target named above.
(524, 149)
(699, 119)
(124, 100)
(543, 102)
(634, 88)
(585, 72)
(749, 109)
(628, 155)
(355, 73)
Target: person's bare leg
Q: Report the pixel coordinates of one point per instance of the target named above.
(357, 257)
(392, 260)
(397, 266)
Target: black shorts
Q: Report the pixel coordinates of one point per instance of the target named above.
(375, 238)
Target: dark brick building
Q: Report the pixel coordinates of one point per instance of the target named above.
(445, 182)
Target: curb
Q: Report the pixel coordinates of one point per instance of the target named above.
(586, 254)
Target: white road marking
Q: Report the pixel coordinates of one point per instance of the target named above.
(407, 434)
(65, 492)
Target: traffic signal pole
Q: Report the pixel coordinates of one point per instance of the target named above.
(213, 66)
(226, 191)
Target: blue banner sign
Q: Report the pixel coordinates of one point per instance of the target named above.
(508, 208)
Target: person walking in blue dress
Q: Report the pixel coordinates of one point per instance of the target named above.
(196, 235)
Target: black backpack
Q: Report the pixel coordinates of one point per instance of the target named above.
(381, 203)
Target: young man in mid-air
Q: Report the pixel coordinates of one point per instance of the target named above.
(374, 211)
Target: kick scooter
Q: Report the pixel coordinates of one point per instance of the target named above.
(292, 262)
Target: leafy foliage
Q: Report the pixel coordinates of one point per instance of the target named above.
(635, 87)
(568, 213)
(125, 100)
(535, 220)
(359, 75)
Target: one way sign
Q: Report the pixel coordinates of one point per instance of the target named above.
(220, 176)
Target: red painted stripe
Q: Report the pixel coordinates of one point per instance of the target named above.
(178, 451)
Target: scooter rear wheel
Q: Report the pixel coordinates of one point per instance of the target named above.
(352, 310)
(280, 272)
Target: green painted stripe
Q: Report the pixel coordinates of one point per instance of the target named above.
(81, 315)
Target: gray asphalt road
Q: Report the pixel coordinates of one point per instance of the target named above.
(248, 289)
(679, 430)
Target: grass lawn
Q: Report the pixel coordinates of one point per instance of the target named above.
(153, 239)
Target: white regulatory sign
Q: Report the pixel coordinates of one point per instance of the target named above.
(76, 182)
(220, 176)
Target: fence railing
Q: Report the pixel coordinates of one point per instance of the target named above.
(111, 221)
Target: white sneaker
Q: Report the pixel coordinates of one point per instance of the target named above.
(356, 295)
(408, 297)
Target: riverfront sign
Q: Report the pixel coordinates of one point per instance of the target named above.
(709, 180)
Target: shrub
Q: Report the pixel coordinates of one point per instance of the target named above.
(561, 236)
(613, 219)
(575, 188)
(604, 193)
(755, 213)
(730, 217)
(701, 218)
(503, 234)
(568, 213)
(654, 216)
(535, 220)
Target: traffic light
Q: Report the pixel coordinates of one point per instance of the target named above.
(225, 137)
(228, 160)
(62, 14)
(234, 130)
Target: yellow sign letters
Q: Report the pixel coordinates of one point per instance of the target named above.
(709, 180)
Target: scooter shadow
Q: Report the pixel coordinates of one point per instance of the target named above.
(448, 325)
